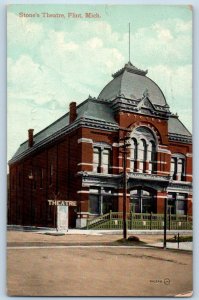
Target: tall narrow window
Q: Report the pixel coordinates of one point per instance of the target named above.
(94, 201)
(96, 159)
(142, 154)
(181, 207)
(106, 160)
(152, 157)
(171, 203)
(180, 170)
(173, 168)
(134, 146)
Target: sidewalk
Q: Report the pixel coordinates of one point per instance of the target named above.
(97, 232)
(113, 238)
(182, 246)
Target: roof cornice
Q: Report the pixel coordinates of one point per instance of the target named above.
(180, 138)
(83, 122)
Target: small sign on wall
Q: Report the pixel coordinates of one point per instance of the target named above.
(62, 217)
(62, 202)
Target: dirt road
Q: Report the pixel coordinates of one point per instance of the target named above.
(106, 271)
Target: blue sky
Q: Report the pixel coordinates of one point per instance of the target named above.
(53, 61)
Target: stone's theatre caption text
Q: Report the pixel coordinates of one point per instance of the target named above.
(69, 15)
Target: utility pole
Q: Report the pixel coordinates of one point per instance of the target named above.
(165, 223)
(124, 152)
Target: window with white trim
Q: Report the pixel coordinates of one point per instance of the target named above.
(142, 154)
(101, 159)
(177, 168)
(106, 160)
(151, 152)
(96, 159)
(134, 150)
(143, 149)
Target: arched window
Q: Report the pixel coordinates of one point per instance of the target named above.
(151, 156)
(134, 146)
(142, 151)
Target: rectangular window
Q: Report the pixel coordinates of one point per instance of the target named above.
(96, 159)
(132, 165)
(106, 160)
(180, 170)
(101, 160)
(150, 167)
(100, 201)
(173, 170)
(135, 205)
(181, 208)
(171, 204)
(94, 204)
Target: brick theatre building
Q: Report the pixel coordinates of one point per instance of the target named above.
(78, 157)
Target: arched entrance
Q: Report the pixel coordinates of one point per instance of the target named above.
(143, 201)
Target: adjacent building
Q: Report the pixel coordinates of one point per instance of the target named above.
(79, 157)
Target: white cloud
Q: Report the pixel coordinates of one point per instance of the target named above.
(163, 34)
(176, 84)
(53, 68)
(95, 43)
(27, 34)
(167, 42)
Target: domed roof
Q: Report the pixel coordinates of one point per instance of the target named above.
(132, 83)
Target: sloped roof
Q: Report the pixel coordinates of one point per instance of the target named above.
(175, 126)
(95, 110)
(132, 83)
(90, 109)
(45, 133)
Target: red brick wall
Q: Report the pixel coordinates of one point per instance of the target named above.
(29, 197)
(69, 156)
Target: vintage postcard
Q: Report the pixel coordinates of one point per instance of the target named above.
(99, 150)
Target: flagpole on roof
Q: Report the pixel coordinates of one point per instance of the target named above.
(129, 41)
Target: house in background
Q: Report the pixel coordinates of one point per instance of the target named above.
(78, 157)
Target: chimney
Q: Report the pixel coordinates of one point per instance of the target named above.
(30, 137)
(72, 112)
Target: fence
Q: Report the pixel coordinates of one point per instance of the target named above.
(114, 220)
